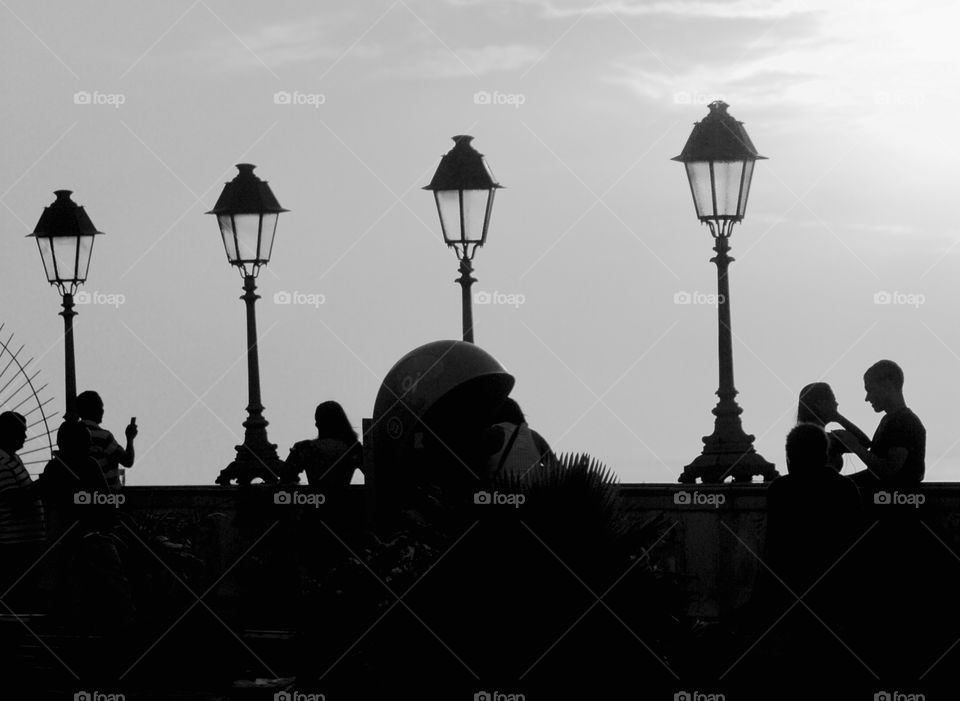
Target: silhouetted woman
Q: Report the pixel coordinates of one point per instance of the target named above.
(818, 406)
(331, 458)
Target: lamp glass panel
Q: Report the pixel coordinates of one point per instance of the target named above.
(65, 257)
(747, 177)
(727, 178)
(448, 204)
(83, 262)
(698, 173)
(46, 255)
(226, 231)
(268, 231)
(247, 229)
(475, 215)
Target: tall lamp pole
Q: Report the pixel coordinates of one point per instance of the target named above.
(719, 159)
(247, 213)
(463, 188)
(64, 235)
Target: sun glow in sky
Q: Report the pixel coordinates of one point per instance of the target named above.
(853, 103)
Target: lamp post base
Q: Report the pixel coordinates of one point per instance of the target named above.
(256, 456)
(251, 463)
(713, 467)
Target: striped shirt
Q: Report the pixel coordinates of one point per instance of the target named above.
(20, 522)
(107, 452)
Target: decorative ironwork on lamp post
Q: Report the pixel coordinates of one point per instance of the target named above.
(64, 235)
(247, 213)
(463, 187)
(719, 159)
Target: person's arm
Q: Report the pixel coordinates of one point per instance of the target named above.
(128, 454)
(885, 466)
(848, 425)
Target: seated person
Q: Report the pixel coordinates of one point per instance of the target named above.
(331, 458)
(813, 513)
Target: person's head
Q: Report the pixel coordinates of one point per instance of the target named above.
(509, 412)
(13, 431)
(90, 406)
(806, 448)
(332, 422)
(883, 384)
(817, 404)
(73, 439)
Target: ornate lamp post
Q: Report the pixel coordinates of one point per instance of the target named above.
(65, 236)
(719, 159)
(463, 187)
(247, 213)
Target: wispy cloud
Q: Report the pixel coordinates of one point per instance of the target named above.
(283, 44)
(459, 63)
(733, 9)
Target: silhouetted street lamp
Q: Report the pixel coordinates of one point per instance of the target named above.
(247, 213)
(65, 236)
(463, 187)
(719, 159)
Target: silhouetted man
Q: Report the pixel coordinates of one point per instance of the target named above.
(895, 456)
(103, 446)
(21, 515)
(897, 552)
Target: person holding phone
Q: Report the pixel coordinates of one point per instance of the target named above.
(104, 448)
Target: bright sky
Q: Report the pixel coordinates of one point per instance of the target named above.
(854, 104)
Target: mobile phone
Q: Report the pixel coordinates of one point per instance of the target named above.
(133, 420)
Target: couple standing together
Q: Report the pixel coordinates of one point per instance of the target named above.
(894, 457)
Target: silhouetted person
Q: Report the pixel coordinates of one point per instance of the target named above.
(898, 551)
(813, 514)
(103, 446)
(518, 448)
(89, 582)
(21, 518)
(895, 456)
(813, 519)
(74, 485)
(332, 457)
(818, 405)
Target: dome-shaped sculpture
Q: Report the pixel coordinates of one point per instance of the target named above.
(434, 394)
